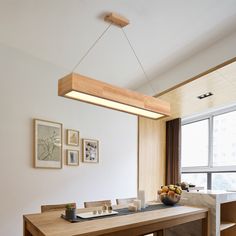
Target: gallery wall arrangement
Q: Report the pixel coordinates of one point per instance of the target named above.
(48, 146)
(72, 154)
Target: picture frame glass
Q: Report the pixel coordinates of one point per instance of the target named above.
(72, 157)
(90, 150)
(72, 137)
(47, 144)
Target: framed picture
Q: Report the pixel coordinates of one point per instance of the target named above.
(72, 157)
(72, 137)
(90, 150)
(47, 144)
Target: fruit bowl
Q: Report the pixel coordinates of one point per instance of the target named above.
(169, 201)
(170, 195)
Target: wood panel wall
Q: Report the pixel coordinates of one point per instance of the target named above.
(151, 159)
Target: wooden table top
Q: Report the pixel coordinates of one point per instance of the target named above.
(51, 224)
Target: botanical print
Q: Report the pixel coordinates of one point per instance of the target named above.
(72, 157)
(90, 150)
(48, 144)
(72, 137)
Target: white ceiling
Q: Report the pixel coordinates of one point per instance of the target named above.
(163, 33)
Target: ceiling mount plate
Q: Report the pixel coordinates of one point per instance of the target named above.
(116, 19)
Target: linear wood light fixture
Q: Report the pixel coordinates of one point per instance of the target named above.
(82, 88)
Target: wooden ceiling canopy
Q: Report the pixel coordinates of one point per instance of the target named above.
(116, 19)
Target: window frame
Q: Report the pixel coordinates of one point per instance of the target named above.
(210, 168)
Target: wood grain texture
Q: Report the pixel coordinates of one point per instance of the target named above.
(26, 232)
(97, 203)
(151, 156)
(50, 223)
(116, 19)
(229, 231)
(221, 82)
(46, 208)
(206, 225)
(226, 225)
(228, 214)
(95, 88)
(222, 65)
(120, 201)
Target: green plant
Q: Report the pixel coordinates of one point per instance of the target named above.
(70, 206)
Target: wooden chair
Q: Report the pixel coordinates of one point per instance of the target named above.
(121, 201)
(47, 208)
(97, 203)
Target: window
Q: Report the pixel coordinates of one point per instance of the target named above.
(195, 144)
(224, 181)
(200, 179)
(224, 139)
(209, 150)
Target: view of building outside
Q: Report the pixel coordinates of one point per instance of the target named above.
(224, 139)
(195, 152)
(224, 181)
(195, 144)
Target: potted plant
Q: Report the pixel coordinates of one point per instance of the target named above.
(70, 211)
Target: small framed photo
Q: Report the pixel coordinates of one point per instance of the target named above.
(90, 150)
(72, 157)
(47, 144)
(72, 137)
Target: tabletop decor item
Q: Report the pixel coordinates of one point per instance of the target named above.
(138, 204)
(109, 209)
(70, 211)
(96, 214)
(132, 207)
(104, 208)
(72, 157)
(100, 213)
(170, 194)
(72, 137)
(141, 196)
(184, 186)
(90, 150)
(47, 144)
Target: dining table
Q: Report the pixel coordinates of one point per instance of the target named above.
(134, 224)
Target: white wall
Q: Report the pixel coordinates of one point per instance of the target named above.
(29, 90)
(206, 59)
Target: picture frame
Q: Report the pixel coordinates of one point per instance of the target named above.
(72, 137)
(90, 151)
(72, 157)
(48, 144)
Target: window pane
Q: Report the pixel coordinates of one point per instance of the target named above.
(195, 144)
(199, 179)
(224, 181)
(224, 139)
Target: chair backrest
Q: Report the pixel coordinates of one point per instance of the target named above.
(121, 201)
(47, 208)
(97, 203)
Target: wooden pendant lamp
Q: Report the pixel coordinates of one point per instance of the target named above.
(82, 88)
